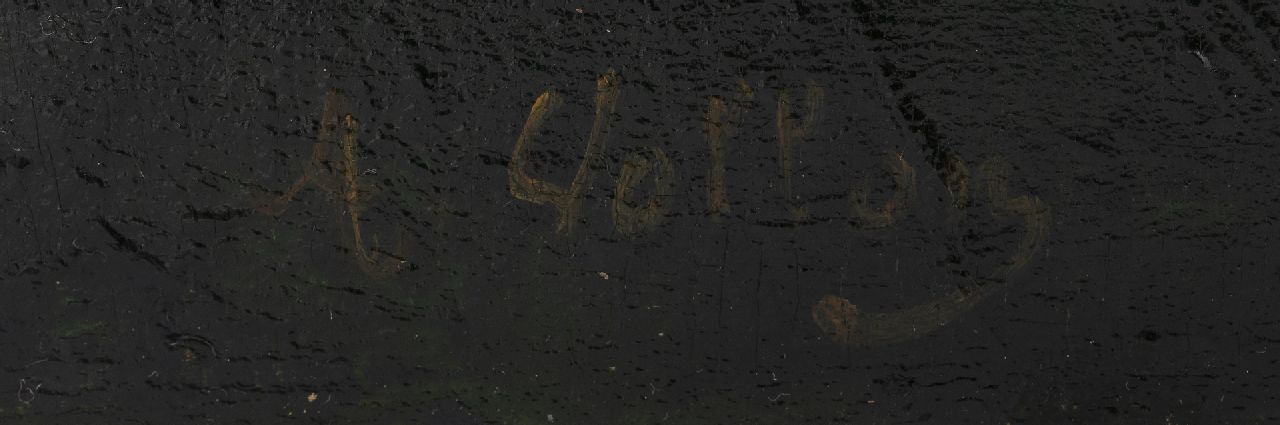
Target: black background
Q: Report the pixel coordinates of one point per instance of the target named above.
(141, 285)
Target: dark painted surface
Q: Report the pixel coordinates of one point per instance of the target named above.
(143, 282)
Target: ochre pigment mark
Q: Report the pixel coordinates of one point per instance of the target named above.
(721, 122)
(955, 176)
(628, 218)
(904, 192)
(333, 169)
(565, 201)
(854, 328)
(320, 171)
(1033, 211)
(792, 130)
(373, 260)
(842, 321)
(836, 317)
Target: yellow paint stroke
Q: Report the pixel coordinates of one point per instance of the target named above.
(629, 219)
(792, 130)
(904, 193)
(842, 321)
(721, 122)
(333, 169)
(566, 202)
